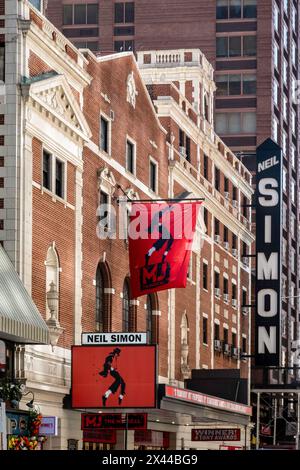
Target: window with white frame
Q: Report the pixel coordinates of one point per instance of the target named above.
(276, 17)
(54, 174)
(284, 143)
(293, 191)
(284, 176)
(285, 72)
(284, 251)
(275, 129)
(285, 108)
(153, 175)
(285, 36)
(293, 260)
(285, 5)
(276, 55)
(236, 123)
(294, 18)
(293, 157)
(130, 156)
(294, 122)
(105, 129)
(294, 53)
(284, 215)
(275, 92)
(292, 295)
(283, 323)
(293, 225)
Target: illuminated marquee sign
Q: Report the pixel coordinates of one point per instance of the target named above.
(268, 254)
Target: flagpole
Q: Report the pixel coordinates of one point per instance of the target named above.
(165, 200)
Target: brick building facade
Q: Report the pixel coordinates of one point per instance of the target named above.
(88, 138)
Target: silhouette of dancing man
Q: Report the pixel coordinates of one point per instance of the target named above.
(110, 366)
(165, 236)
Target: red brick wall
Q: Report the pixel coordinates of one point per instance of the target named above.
(37, 65)
(52, 222)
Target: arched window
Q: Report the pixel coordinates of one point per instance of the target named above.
(52, 276)
(126, 306)
(149, 323)
(103, 297)
(100, 301)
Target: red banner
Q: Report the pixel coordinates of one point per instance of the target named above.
(160, 242)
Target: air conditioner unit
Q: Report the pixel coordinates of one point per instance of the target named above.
(235, 352)
(226, 195)
(226, 245)
(217, 238)
(234, 303)
(245, 260)
(218, 346)
(227, 349)
(225, 297)
(217, 292)
(112, 115)
(245, 310)
(182, 151)
(234, 252)
(235, 203)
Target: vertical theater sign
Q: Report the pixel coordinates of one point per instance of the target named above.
(268, 254)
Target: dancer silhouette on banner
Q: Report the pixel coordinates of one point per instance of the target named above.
(165, 237)
(110, 366)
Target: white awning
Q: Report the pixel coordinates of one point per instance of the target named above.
(20, 320)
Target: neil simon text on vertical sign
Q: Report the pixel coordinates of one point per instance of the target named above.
(268, 254)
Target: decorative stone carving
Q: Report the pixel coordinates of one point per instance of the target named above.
(185, 368)
(56, 99)
(131, 90)
(106, 180)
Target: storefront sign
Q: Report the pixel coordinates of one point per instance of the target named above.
(114, 377)
(113, 338)
(200, 399)
(113, 421)
(49, 426)
(17, 423)
(104, 436)
(268, 254)
(216, 434)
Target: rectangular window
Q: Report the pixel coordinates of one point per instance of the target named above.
(36, 4)
(104, 213)
(217, 227)
(234, 340)
(188, 148)
(276, 14)
(250, 8)
(235, 84)
(67, 14)
(225, 285)
(249, 45)
(130, 157)
(79, 14)
(222, 47)
(205, 166)
(205, 278)
(92, 13)
(244, 297)
(217, 178)
(217, 331)
(276, 56)
(2, 62)
(104, 137)
(249, 84)
(234, 292)
(235, 8)
(222, 85)
(129, 12)
(285, 72)
(235, 46)
(47, 170)
(205, 330)
(205, 217)
(285, 36)
(153, 176)
(59, 178)
(225, 335)
(244, 345)
(225, 234)
(226, 185)
(222, 10)
(217, 280)
(121, 46)
(124, 12)
(275, 92)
